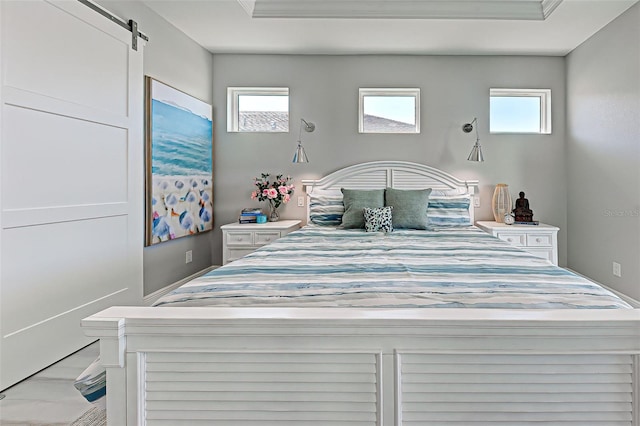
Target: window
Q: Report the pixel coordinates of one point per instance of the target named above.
(520, 111)
(257, 109)
(389, 111)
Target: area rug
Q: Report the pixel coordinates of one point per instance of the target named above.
(92, 417)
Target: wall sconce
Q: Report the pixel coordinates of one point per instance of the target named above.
(476, 151)
(300, 156)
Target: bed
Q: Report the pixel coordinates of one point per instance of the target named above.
(326, 326)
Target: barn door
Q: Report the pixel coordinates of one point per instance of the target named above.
(71, 178)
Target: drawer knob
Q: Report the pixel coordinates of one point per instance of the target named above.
(510, 239)
(538, 240)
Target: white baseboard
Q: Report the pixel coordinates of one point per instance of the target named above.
(630, 300)
(153, 297)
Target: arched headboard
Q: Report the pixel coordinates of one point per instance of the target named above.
(392, 174)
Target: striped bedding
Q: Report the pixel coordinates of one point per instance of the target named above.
(328, 267)
(459, 267)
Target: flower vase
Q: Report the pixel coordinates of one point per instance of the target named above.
(273, 212)
(501, 202)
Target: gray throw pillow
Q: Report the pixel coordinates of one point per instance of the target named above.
(355, 200)
(409, 207)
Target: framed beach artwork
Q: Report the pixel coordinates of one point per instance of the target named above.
(179, 164)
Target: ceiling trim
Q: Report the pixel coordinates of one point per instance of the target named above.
(535, 10)
(248, 6)
(549, 6)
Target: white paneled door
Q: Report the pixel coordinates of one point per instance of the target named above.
(71, 178)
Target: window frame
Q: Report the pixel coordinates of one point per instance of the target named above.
(545, 107)
(370, 91)
(233, 104)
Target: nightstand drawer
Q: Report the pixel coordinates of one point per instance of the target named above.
(262, 238)
(539, 240)
(237, 253)
(545, 253)
(239, 238)
(513, 238)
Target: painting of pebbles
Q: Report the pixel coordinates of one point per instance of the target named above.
(179, 164)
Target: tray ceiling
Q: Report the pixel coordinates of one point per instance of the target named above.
(401, 9)
(391, 27)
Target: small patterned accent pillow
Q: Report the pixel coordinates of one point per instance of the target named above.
(378, 219)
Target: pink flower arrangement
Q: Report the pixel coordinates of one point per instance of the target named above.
(276, 192)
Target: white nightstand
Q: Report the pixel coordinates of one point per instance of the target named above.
(239, 239)
(540, 240)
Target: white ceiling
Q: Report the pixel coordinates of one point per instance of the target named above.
(224, 26)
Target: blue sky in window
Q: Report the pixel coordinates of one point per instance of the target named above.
(263, 103)
(398, 108)
(517, 114)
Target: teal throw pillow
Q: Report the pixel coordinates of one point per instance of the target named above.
(355, 200)
(409, 207)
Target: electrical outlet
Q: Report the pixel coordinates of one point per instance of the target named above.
(188, 256)
(476, 201)
(301, 201)
(617, 269)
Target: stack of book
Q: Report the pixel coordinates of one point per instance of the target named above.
(249, 215)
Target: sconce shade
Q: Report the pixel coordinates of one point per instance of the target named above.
(300, 156)
(476, 151)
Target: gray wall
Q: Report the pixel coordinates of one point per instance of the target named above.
(603, 154)
(324, 90)
(173, 58)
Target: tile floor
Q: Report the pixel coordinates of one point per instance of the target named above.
(48, 398)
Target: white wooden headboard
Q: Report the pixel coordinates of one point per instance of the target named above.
(392, 174)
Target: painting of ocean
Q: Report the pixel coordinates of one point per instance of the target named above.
(180, 166)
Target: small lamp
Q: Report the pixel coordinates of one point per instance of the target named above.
(300, 156)
(476, 151)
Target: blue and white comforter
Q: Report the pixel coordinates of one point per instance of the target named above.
(459, 267)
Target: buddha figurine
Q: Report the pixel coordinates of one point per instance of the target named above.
(522, 211)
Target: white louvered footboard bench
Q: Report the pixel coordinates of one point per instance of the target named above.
(339, 367)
